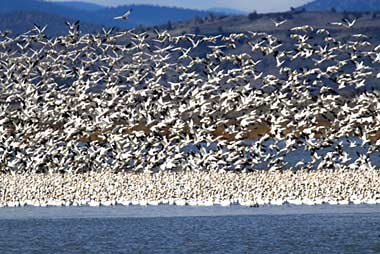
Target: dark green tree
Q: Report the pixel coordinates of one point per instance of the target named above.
(253, 15)
(169, 26)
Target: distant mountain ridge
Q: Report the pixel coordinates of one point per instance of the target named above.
(18, 22)
(227, 11)
(81, 5)
(343, 5)
(143, 15)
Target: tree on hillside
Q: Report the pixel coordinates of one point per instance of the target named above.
(169, 26)
(358, 15)
(288, 15)
(211, 16)
(197, 20)
(253, 15)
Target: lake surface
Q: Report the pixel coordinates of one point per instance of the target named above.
(172, 229)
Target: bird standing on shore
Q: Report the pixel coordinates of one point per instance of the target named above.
(125, 16)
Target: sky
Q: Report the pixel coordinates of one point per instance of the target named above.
(242, 5)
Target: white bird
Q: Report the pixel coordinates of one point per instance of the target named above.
(125, 16)
(349, 24)
(279, 23)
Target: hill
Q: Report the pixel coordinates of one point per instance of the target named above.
(346, 5)
(226, 11)
(367, 23)
(18, 22)
(81, 5)
(143, 15)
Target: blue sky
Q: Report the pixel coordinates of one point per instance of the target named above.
(243, 5)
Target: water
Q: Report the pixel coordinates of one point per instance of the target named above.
(170, 229)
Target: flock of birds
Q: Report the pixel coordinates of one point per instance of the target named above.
(201, 188)
(126, 101)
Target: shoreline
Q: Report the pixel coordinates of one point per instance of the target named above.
(193, 188)
(170, 211)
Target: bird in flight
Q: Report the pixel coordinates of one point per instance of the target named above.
(350, 23)
(347, 23)
(277, 24)
(125, 16)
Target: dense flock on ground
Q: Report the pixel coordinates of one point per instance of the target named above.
(125, 101)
